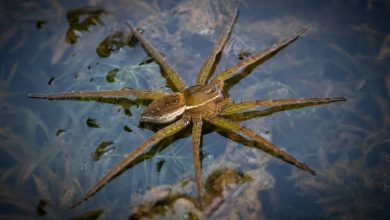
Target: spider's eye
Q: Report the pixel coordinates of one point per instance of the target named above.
(213, 89)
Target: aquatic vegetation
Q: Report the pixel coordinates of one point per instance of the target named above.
(101, 149)
(92, 123)
(74, 16)
(205, 101)
(223, 188)
(114, 42)
(110, 77)
(41, 23)
(90, 215)
(41, 207)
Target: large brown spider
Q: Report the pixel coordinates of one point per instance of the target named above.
(205, 101)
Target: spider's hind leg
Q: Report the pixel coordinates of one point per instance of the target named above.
(196, 141)
(292, 102)
(264, 143)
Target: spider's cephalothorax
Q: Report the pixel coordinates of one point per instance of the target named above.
(194, 100)
(202, 102)
(200, 95)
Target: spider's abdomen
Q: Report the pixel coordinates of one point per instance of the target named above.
(165, 109)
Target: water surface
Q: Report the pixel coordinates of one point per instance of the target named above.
(47, 148)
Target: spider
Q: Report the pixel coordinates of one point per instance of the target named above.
(193, 105)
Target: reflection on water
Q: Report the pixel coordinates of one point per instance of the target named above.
(47, 147)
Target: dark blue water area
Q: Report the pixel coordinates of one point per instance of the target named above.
(48, 148)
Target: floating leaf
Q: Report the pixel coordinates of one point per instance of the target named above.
(51, 80)
(112, 43)
(91, 17)
(110, 77)
(60, 131)
(146, 61)
(128, 112)
(101, 149)
(92, 123)
(41, 207)
(40, 24)
(159, 165)
(127, 128)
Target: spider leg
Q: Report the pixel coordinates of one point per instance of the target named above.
(119, 167)
(243, 116)
(264, 54)
(207, 67)
(196, 139)
(247, 105)
(142, 94)
(170, 72)
(264, 143)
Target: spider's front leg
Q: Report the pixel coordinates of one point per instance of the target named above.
(170, 72)
(207, 67)
(264, 143)
(262, 55)
(119, 167)
(138, 93)
(295, 102)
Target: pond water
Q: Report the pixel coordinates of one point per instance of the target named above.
(52, 151)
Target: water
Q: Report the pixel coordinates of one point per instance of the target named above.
(48, 148)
